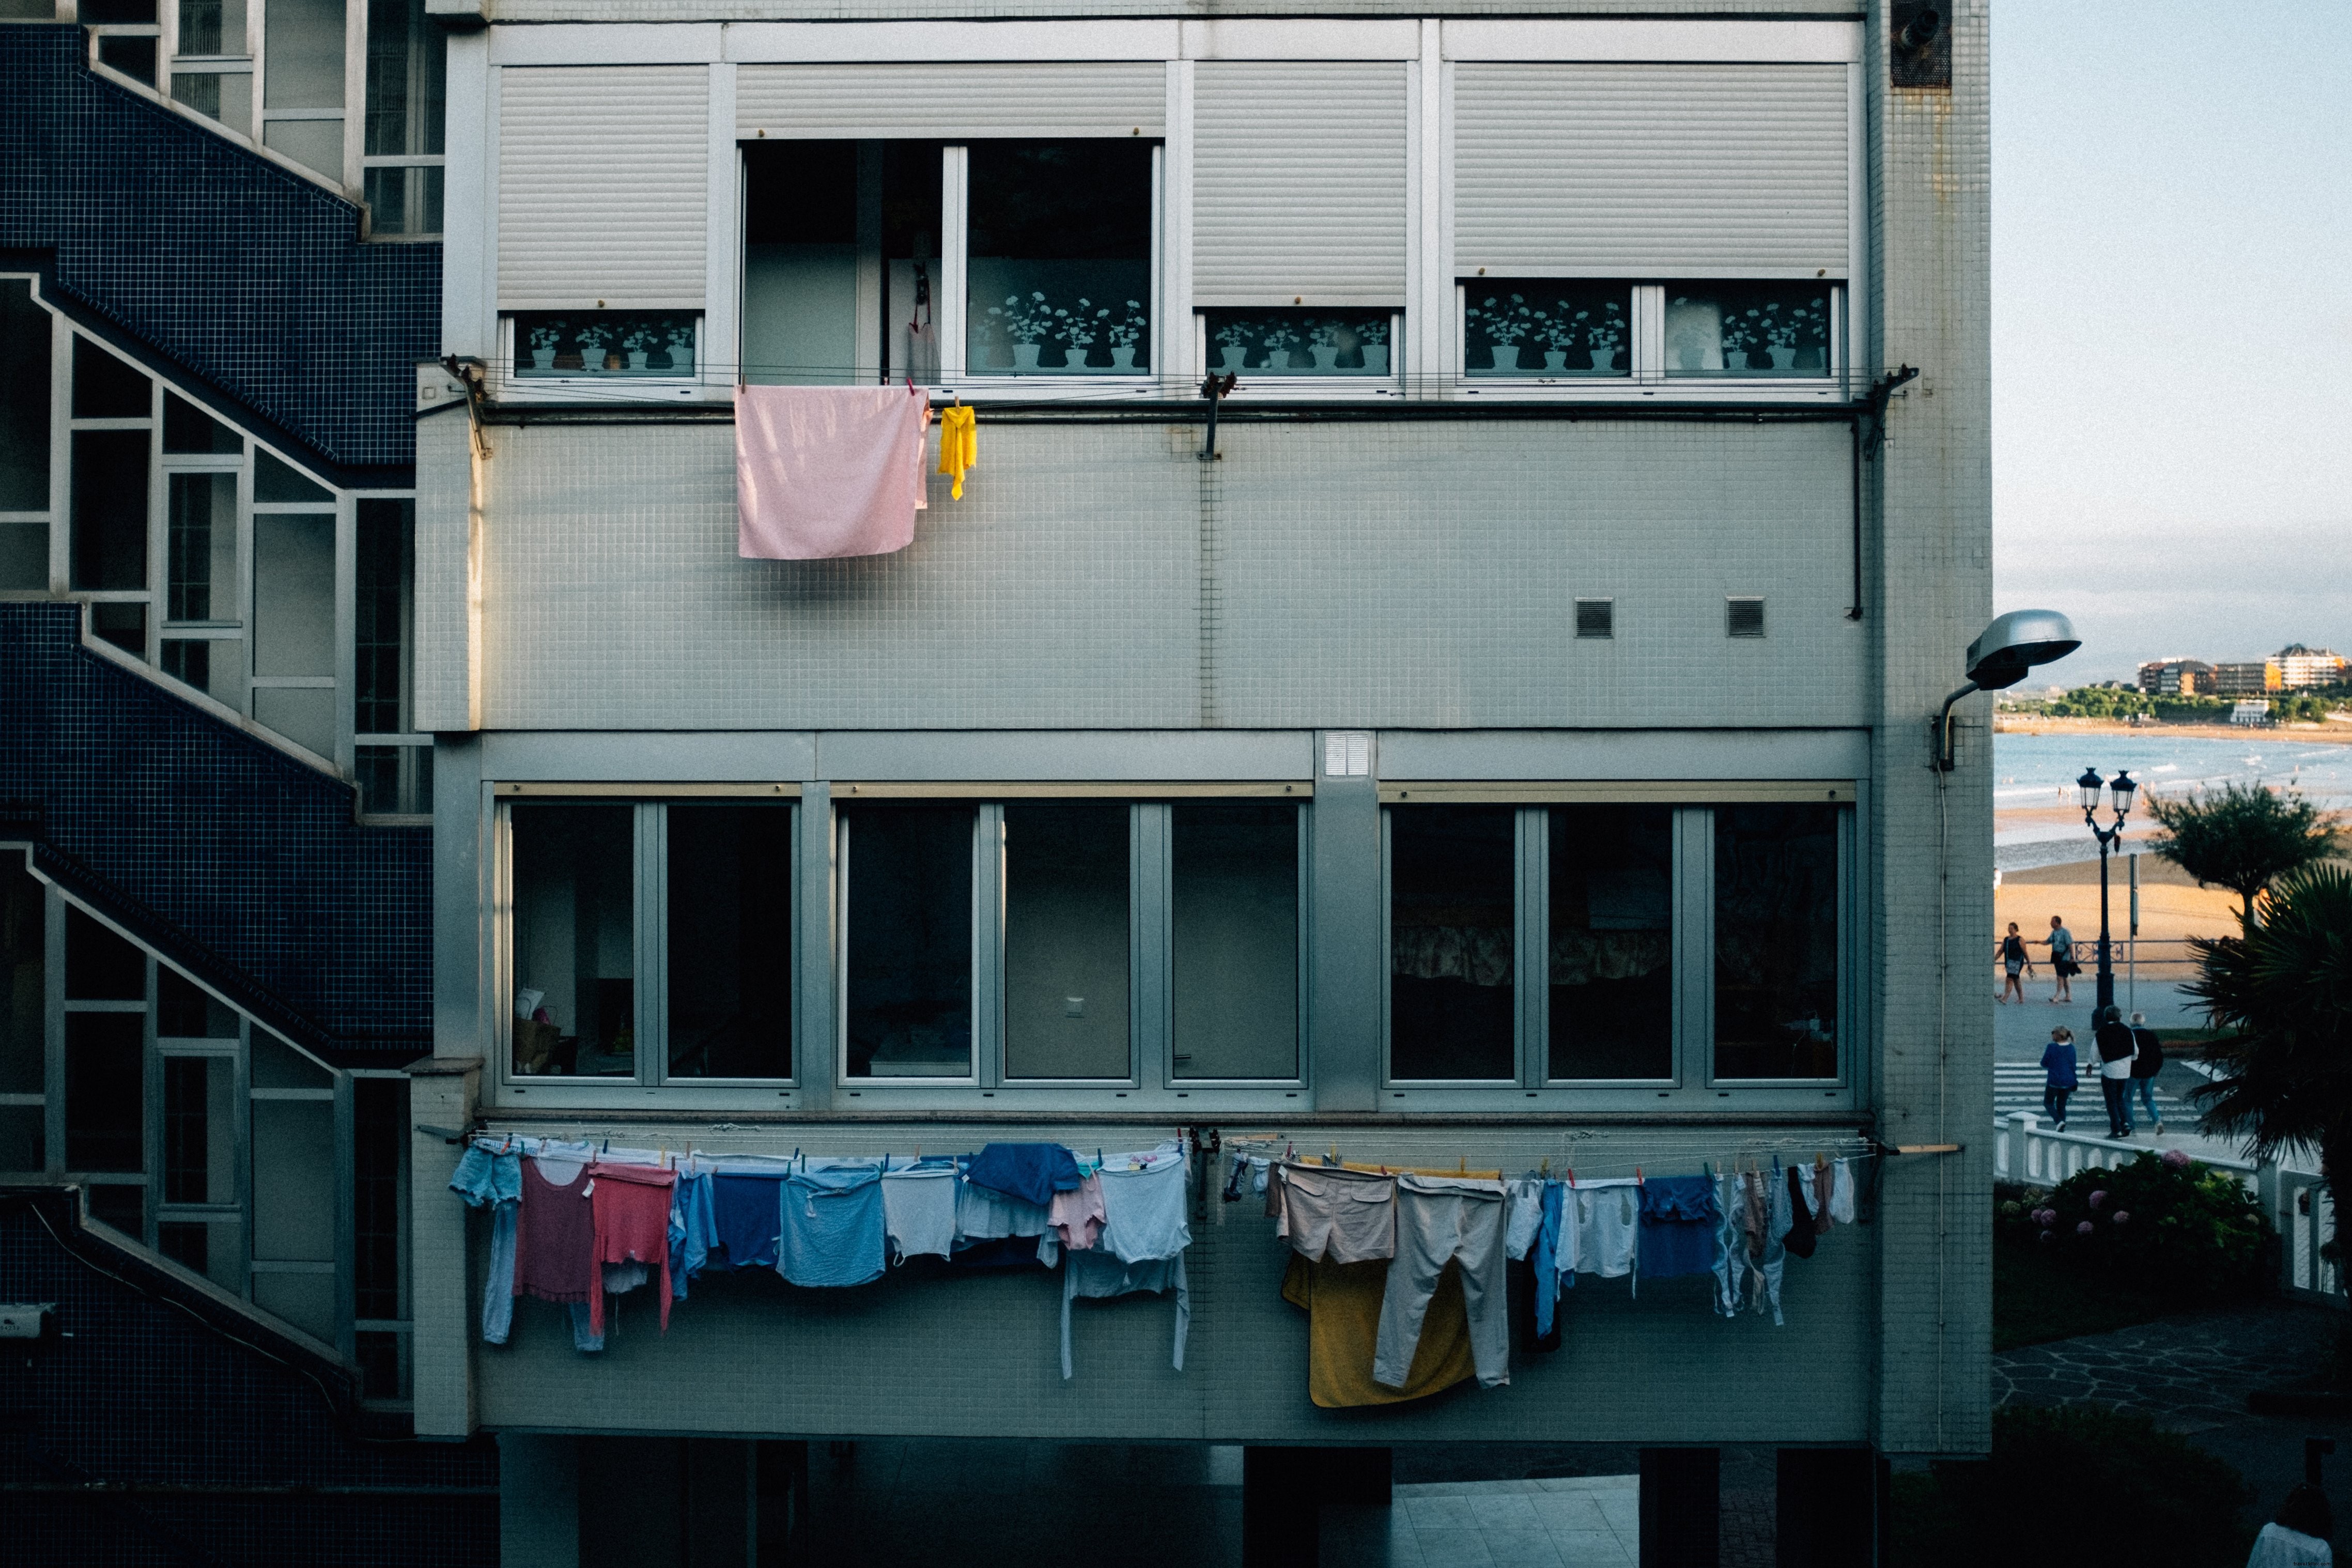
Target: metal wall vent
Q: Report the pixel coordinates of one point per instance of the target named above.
(1596, 618)
(1743, 616)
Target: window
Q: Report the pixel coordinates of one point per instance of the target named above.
(379, 1275)
(1748, 329)
(23, 1035)
(212, 66)
(1602, 896)
(1611, 942)
(407, 70)
(1066, 934)
(303, 93)
(294, 605)
(1452, 931)
(730, 983)
(394, 765)
(1233, 939)
(1300, 343)
(23, 439)
(850, 259)
(1546, 327)
(907, 941)
(1777, 934)
(608, 343)
(694, 982)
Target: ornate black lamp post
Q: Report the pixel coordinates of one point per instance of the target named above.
(2121, 793)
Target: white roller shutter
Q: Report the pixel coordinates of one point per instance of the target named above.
(602, 190)
(1650, 171)
(948, 100)
(1298, 182)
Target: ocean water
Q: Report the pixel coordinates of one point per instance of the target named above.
(2030, 770)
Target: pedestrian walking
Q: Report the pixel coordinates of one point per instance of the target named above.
(2117, 1048)
(2301, 1536)
(2014, 964)
(2063, 965)
(2058, 1064)
(2147, 1061)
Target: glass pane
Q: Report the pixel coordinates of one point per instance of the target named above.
(1776, 942)
(799, 262)
(385, 612)
(1545, 327)
(109, 509)
(403, 201)
(294, 594)
(305, 715)
(133, 57)
(730, 941)
(405, 71)
(200, 548)
(225, 96)
(24, 405)
(294, 1180)
(28, 10)
(575, 939)
(25, 555)
(384, 1364)
(184, 1010)
(123, 625)
(304, 40)
(1612, 960)
(274, 480)
(23, 978)
(187, 428)
(1065, 939)
(105, 1091)
(910, 252)
(316, 144)
(1235, 939)
(100, 966)
(607, 343)
(23, 1138)
(277, 1065)
(909, 942)
(1451, 892)
(306, 1300)
(379, 1142)
(1747, 329)
(130, 13)
(107, 387)
(213, 1248)
(215, 668)
(212, 27)
(1299, 343)
(122, 1204)
(1060, 257)
(395, 780)
(199, 1129)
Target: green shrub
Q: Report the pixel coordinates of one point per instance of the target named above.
(2068, 1486)
(2168, 1224)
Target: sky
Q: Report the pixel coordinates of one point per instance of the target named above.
(2172, 325)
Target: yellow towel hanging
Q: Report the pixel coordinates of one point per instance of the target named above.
(959, 446)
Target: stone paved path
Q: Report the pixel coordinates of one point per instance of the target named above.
(2189, 1373)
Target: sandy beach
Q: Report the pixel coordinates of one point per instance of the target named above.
(2334, 732)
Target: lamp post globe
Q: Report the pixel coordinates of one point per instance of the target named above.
(2089, 786)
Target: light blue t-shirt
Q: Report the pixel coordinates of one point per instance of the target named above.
(833, 1229)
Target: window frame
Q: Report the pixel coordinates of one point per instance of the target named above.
(1694, 1085)
(508, 386)
(1151, 1077)
(1646, 374)
(1308, 384)
(650, 931)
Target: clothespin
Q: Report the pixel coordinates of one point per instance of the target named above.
(608, 1144)
(1461, 1164)
(1637, 1174)
(1571, 1175)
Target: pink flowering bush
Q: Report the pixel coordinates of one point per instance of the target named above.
(2168, 1223)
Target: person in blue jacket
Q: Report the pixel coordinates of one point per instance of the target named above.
(2058, 1062)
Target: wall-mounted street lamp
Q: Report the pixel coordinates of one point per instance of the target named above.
(2000, 657)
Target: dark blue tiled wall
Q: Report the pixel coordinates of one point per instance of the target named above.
(146, 1394)
(221, 851)
(251, 279)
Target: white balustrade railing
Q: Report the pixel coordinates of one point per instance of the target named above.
(2297, 1200)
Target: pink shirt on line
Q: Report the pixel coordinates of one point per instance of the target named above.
(631, 1204)
(1076, 1216)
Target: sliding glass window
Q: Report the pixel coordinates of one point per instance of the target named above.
(1452, 935)
(1777, 933)
(1233, 939)
(907, 948)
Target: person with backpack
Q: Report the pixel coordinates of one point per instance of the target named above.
(2058, 1064)
(2117, 1048)
(2147, 1061)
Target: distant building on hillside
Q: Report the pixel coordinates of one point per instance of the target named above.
(2300, 666)
(2176, 678)
(2254, 677)
(2249, 713)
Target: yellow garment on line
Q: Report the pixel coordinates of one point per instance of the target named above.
(958, 445)
(1342, 1302)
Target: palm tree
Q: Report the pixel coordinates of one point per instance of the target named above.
(2242, 837)
(2284, 990)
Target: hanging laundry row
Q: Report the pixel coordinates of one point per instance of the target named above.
(575, 1223)
(1402, 1271)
